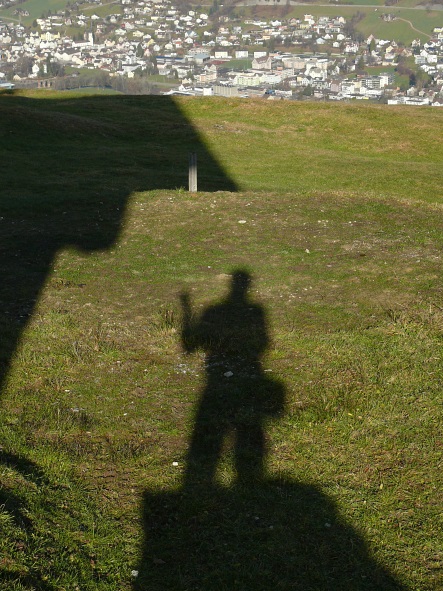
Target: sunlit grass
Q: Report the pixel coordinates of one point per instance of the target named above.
(340, 229)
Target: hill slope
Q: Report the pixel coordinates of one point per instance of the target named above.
(329, 473)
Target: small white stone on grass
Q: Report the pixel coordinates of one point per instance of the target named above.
(228, 374)
(175, 463)
(242, 221)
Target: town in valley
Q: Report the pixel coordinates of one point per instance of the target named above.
(158, 46)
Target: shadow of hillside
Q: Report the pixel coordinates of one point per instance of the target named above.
(67, 168)
(259, 533)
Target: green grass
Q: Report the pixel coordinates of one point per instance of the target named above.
(92, 90)
(340, 230)
(158, 78)
(242, 64)
(364, 3)
(376, 70)
(347, 148)
(35, 8)
(105, 9)
(397, 30)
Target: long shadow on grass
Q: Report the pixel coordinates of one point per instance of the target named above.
(67, 169)
(260, 533)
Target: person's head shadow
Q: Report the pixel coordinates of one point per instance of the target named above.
(238, 397)
(259, 532)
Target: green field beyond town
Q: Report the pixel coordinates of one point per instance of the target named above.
(238, 388)
(414, 20)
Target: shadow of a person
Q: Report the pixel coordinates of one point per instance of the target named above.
(238, 396)
(260, 533)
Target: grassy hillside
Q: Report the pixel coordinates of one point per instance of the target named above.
(408, 25)
(35, 8)
(113, 474)
(412, 22)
